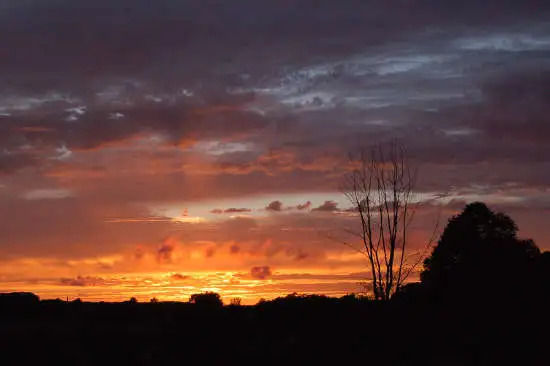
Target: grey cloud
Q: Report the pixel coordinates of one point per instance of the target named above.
(321, 64)
(12, 162)
(463, 83)
(260, 272)
(231, 210)
(165, 250)
(82, 281)
(234, 249)
(327, 206)
(274, 206)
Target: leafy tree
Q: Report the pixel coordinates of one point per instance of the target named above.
(480, 256)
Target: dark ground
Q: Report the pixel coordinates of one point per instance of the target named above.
(292, 330)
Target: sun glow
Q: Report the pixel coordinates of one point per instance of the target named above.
(188, 219)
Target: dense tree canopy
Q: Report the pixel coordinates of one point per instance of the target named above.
(480, 256)
(206, 299)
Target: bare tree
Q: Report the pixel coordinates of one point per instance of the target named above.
(380, 188)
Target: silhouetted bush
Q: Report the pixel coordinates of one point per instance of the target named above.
(207, 300)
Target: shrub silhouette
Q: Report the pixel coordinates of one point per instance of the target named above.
(207, 299)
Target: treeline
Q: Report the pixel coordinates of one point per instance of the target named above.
(482, 300)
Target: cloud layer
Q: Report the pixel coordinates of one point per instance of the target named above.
(209, 136)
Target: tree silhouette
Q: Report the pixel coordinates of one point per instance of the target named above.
(380, 188)
(544, 275)
(207, 299)
(18, 299)
(236, 301)
(480, 256)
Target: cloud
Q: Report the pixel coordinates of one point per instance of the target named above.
(82, 281)
(178, 277)
(234, 249)
(327, 206)
(230, 210)
(209, 253)
(192, 124)
(237, 210)
(304, 206)
(304, 149)
(34, 129)
(260, 272)
(165, 250)
(301, 255)
(13, 162)
(48, 194)
(274, 206)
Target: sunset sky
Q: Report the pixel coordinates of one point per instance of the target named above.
(164, 148)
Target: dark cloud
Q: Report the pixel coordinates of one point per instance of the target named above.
(234, 249)
(12, 162)
(310, 94)
(186, 101)
(274, 206)
(237, 210)
(327, 206)
(304, 206)
(176, 123)
(260, 272)
(517, 108)
(165, 250)
(209, 253)
(191, 40)
(178, 277)
(230, 210)
(301, 255)
(82, 281)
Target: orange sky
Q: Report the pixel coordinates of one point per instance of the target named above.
(158, 151)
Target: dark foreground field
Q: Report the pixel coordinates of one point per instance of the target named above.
(291, 330)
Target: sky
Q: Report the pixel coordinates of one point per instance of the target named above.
(159, 149)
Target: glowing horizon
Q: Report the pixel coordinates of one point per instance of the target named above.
(189, 138)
